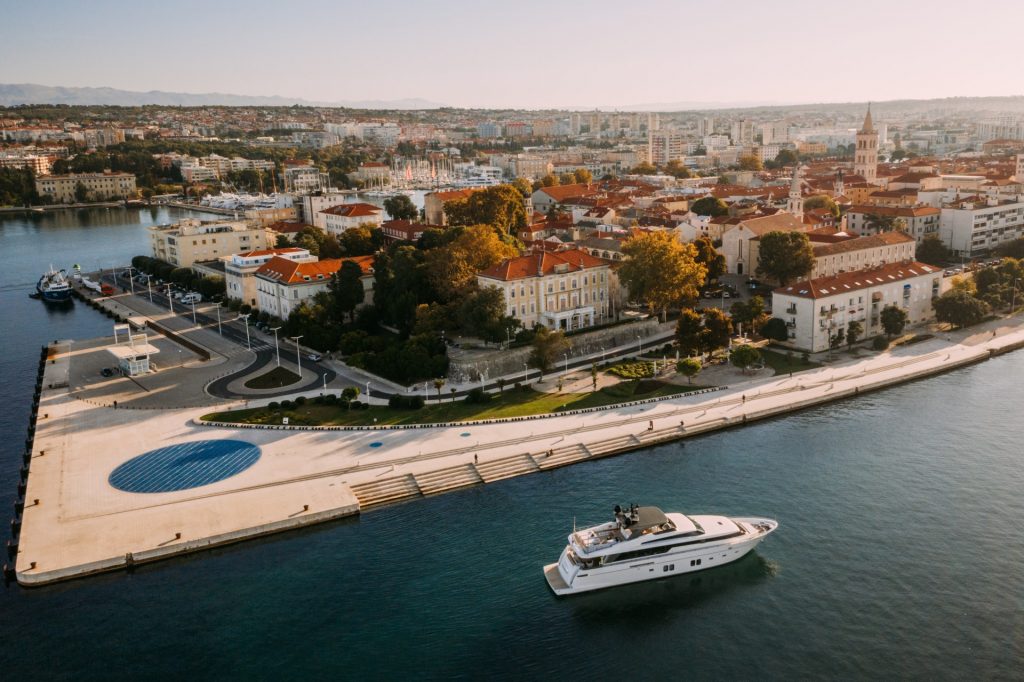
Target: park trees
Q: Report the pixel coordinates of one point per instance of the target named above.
(357, 241)
(688, 331)
(933, 251)
(894, 320)
(661, 272)
(452, 268)
(854, 330)
(884, 223)
(710, 206)
(717, 330)
(347, 290)
(744, 356)
(749, 313)
(775, 329)
(689, 368)
(500, 206)
(523, 186)
(960, 309)
(785, 256)
(676, 169)
(547, 346)
(644, 168)
(582, 176)
(400, 207)
(710, 258)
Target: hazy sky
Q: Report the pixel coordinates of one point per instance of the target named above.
(523, 53)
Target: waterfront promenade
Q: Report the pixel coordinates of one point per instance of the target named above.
(83, 524)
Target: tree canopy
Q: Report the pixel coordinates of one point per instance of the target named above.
(744, 356)
(894, 320)
(347, 289)
(659, 271)
(400, 207)
(710, 206)
(785, 256)
(710, 258)
(822, 201)
(452, 268)
(500, 206)
(960, 309)
(933, 251)
(547, 347)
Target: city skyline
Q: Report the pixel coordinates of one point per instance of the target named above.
(478, 57)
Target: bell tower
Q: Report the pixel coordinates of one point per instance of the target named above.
(865, 160)
(795, 203)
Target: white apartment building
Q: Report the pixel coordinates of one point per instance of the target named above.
(98, 186)
(665, 145)
(191, 240)
(918, 221)
(775, 132)
(240, 269)
(974, 225)
(815, 310)
(303, 179)
(282, 285)
(314, 204)
(862, 253)
(337, 219)
(563, 290)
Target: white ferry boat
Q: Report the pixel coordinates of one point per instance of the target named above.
(53, 286)
(645, 543)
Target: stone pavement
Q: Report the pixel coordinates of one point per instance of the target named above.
(83, 524)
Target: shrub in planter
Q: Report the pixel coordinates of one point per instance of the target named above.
(879, 343)
(286, 404)
(364, 406)
(301, 400)
(478, 396)
(330, 399)
(318, 400)
(355, 405)
(274, 405)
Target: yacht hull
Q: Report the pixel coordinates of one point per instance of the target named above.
(564, 578)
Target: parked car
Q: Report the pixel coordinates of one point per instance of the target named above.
(191, 298)
(107, 372)
(315, 357)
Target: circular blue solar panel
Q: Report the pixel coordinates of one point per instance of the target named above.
(184, 466)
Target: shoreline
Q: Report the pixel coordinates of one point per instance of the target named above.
(312, 474)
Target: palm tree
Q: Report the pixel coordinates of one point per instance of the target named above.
(438, 384)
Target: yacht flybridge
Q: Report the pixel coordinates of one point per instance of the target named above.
(645, 543)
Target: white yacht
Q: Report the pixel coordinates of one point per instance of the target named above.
(645, 543)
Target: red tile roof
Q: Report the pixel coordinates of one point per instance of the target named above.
(358, 210)
(267, 252)
(824, 287)
(537, 264)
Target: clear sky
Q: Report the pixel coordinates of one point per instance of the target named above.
(524, 53)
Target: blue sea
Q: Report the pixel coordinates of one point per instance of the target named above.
(900, 552)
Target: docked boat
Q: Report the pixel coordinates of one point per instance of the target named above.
(54, 287)
(645, 543)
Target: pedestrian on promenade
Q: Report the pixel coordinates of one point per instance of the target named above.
(743, 398)
(476, 458)
(650, 425)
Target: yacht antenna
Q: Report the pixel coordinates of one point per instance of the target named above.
(573, 524)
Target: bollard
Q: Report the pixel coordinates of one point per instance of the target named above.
(19, 506)
(15, 527)
(12, 549)
(9, 575)
(21, 488)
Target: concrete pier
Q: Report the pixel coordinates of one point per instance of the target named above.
(83, 524)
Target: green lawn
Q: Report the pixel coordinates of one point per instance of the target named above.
(275, 378)
(784, 364)
(511, 403)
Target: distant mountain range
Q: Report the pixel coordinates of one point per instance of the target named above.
(30, 93)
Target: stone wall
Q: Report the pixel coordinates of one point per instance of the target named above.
(468, 365)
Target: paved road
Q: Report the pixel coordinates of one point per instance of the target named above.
(235, 330)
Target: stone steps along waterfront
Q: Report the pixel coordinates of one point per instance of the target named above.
(816, 388)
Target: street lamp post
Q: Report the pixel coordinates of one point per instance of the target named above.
(246, 318)
(602, 355)
(325, 383)
(1013, 299)
(131, 279)
(526, 373)
(298, 354)
(640, 345)
(194, 322)
(565, 356)
(149, 287)
(219, 329)
(367, 391)
(277, 349)
(170, 299)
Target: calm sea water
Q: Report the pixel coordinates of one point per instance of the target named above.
(900, 554)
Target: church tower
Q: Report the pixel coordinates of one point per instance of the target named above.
(795, 203)
(865, 160)
(839, 188)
